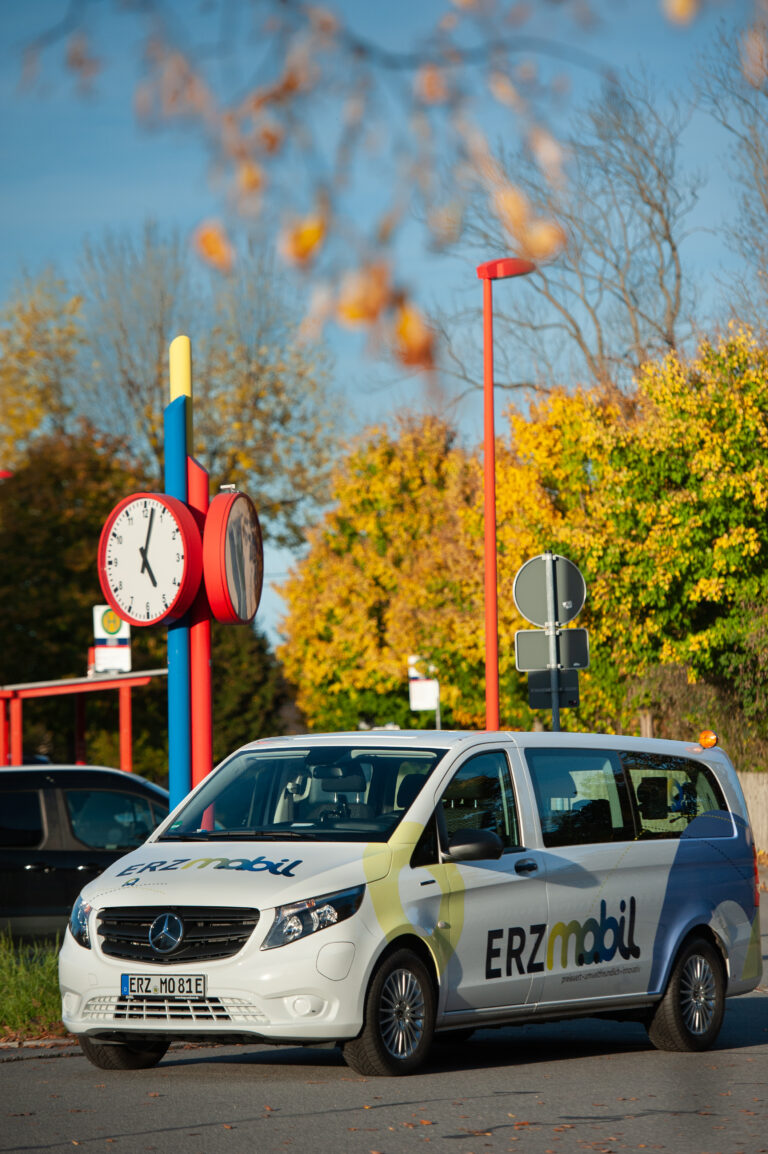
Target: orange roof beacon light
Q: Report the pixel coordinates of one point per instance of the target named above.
(707, 739)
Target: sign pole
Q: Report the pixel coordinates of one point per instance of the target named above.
(554, 678)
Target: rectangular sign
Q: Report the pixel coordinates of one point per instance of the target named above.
(532, 649)
(540, 690)
(112, 641)
(424, 693)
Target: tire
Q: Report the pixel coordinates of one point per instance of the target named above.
(399, 1019)
(123, 1055)
(690, 1014)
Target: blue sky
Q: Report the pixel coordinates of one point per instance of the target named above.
(72, 167)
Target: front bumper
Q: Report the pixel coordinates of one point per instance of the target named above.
(310, 991)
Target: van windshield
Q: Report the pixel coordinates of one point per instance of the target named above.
(333, 793)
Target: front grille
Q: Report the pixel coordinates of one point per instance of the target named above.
(209, 933)
(152, 1008)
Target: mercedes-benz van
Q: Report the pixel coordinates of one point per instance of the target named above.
(375, 889)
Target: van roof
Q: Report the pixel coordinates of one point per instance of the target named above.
(447, 739)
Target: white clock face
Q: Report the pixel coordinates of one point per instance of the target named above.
(144, 559)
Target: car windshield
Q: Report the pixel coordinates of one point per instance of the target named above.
(333, 793)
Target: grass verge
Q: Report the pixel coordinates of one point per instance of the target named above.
(30, 1005)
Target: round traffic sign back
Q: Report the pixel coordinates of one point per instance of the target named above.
(530, 589)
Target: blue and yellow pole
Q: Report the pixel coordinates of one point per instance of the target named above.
(178, 435)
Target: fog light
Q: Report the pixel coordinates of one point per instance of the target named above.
(305, 1005)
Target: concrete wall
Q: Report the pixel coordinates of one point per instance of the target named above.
(755, 786)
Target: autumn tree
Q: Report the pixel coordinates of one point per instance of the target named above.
(262, 405)
(618, 294)
(380, 567)
(732, 86)
(40, 341)
(664, 512)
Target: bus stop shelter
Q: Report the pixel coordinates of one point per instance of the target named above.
(12, 698)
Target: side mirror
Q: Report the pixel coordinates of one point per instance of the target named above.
(475, 845)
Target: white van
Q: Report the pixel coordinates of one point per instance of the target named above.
(376, 889)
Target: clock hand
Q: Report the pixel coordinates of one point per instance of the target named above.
(143, 550)
(145, 565)
(149, 529)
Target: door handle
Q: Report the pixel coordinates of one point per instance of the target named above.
(37, 867)
(526, 865)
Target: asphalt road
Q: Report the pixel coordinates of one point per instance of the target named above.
(568, 1087)
(563, 1088)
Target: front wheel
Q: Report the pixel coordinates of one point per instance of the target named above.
(690, 1014)
(123, 1055)
(399, 1019)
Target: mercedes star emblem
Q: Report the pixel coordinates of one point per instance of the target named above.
(165, 933)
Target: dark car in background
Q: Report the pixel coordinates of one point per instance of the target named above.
(60, 826)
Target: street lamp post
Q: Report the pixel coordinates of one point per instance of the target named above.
(488, 272)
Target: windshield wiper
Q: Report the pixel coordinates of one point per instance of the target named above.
(239, 835)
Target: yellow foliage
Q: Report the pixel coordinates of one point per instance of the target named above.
(39, 342)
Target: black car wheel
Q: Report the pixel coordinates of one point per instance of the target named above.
(690, 1014)
(399, 1018)
(123, 1055)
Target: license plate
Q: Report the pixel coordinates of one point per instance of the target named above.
(166, 984)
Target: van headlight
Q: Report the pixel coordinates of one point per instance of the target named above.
(78, 923)
(302, 918)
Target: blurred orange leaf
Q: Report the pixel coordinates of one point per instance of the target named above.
(364, 294)
(213, 246)
(414, 339)
(299, 242)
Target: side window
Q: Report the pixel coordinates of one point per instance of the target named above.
(21, 819)
(671, 791)
(580, 795)
(480, 797)
(106, 819)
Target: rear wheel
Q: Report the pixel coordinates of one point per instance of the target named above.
(690, 1014)
(399, 1018)
(123, 1055)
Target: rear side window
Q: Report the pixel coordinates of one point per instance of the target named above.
(581, 796)
(108, 819)
(671, 791)
(21, 818)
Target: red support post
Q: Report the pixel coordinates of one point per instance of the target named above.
(80, 753)
(126, 729)
(17, 752)
(3, 732)
(201, 709)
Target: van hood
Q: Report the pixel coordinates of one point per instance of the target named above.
(260, 873)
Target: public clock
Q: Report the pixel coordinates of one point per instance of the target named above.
(233, 558)
(150, 558)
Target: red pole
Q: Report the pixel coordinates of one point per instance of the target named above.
(489, 441)
(201, 709)
(126, 725)
(3, 732)
(490, 271)
(17, 753)
(80, 758)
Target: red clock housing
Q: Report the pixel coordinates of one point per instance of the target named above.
(233, 558)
